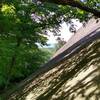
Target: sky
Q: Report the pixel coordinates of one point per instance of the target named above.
(64, 31)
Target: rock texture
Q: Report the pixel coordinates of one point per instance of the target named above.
(72, 74)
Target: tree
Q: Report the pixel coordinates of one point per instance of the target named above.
(91, 6)
(60, 43)
(20, 32)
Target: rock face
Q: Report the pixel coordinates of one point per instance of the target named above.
(72, 74)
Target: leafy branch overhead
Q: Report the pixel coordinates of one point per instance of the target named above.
(91, 6)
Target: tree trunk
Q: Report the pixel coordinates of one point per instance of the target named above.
(75, 3)
(12, 63)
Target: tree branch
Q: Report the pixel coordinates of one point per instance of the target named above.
(74, 3)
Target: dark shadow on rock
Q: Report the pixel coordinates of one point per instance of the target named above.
(92, 54)
(66, 71)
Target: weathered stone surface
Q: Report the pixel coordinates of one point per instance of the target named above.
(73, 74)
